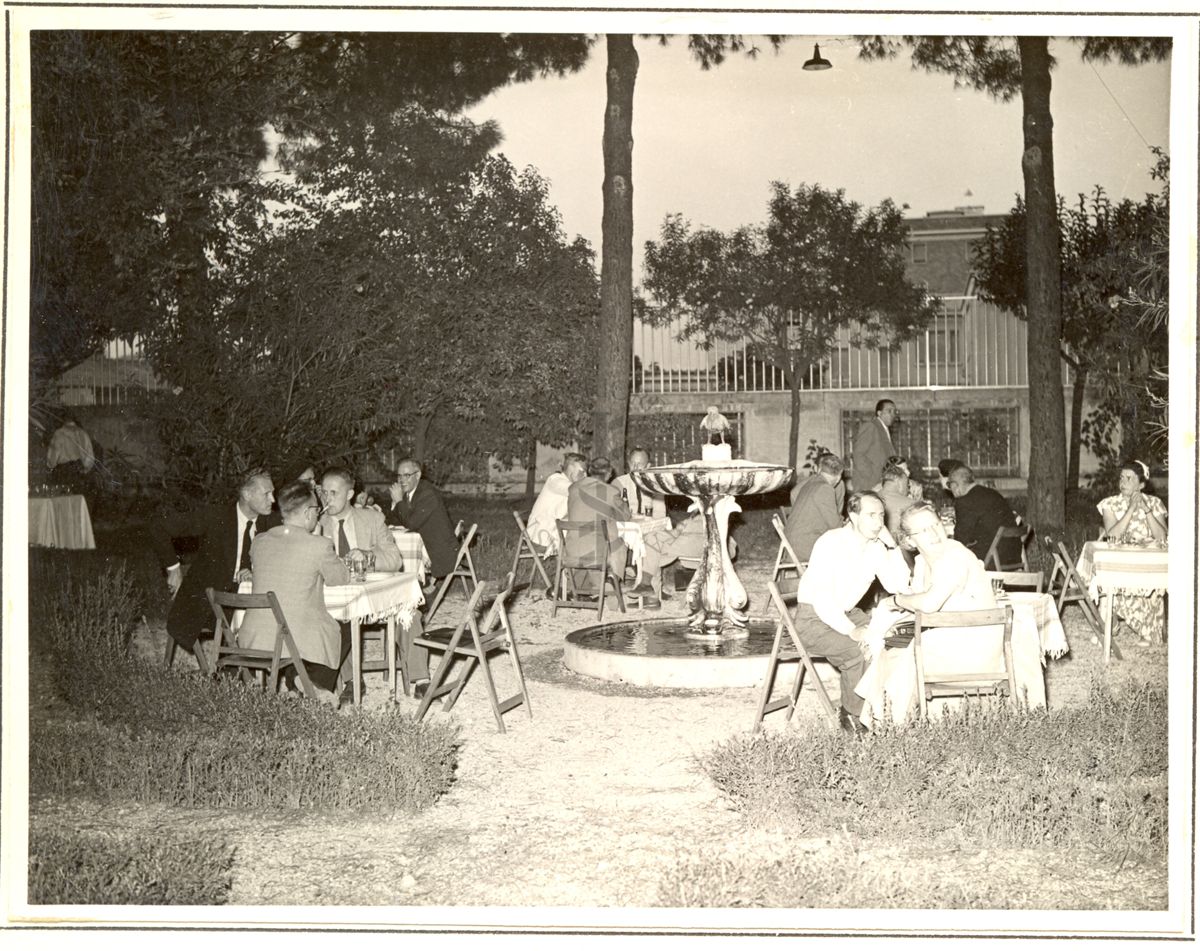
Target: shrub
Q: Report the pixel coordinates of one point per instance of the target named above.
(76, 868)
(177, 738)
(84, 610)
(987, 773)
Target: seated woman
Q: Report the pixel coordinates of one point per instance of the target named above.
(1131, 517)
(946, 577)
(296, 564)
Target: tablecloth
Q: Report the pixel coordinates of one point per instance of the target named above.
(1133, 569)
(398, 595)
(1037, 632)
(60, 521)
(412, 550)
(632, 535)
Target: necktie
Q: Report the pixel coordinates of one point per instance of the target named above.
(637, 494)
(343, 541)
(244, 561)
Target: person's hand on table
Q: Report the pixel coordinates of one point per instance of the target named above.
(174, 579)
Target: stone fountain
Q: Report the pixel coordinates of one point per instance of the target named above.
(717, 644)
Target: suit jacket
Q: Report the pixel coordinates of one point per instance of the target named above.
(427, 514)
(872, 446)
(370, 533)
(296, 566)
(213, 567)
(654, 506)
(977, 515)
(814, 512)
(590, 499)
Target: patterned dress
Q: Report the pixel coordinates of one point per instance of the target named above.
(1144, 610)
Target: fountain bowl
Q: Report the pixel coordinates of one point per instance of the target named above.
(713, 478)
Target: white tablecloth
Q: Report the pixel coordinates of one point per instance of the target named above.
(412, 550)
(1037, 632)
(60, 521)
(398, 595)
(1104, 566)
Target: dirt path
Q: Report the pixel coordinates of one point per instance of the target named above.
(593, 801)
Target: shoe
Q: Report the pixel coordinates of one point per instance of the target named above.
(644, 588)
(650, 602)
(663, 596)
(850, 723)
(347, 694)
(327, 698)
(420, 689)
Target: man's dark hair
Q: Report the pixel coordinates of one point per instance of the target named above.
(881, 404)
(893, 474)
(569, 457)
(342, 473)
(968, 477)
(946, 466)
(295, 496)
(600, 468)
(248, 477)
(854, 503)
(830, 463)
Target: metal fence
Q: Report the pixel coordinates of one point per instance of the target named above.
(986, 438)
(969, 343)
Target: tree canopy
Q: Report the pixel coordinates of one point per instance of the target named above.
(821, 264)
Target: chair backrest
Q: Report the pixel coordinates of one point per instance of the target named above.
(497, 615)
(523, 528)
(458, 529)
(777, 524)
(966, 681)
(992, 560)
(597, 556)
(222, 600)
(1019, 579)
(987, 617)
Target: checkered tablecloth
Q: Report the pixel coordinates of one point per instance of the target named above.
(393, 594)
(1104, 566)
(412, 550)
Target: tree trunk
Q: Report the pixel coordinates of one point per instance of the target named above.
(531, 467)
(1043, 303)
(611, 411)
(1077, 389)
(793, 381)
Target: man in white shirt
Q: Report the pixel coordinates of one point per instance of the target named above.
(641, 503)
(551, 504)
(844, 563)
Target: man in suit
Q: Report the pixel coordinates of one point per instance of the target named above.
(354, 529)
(418, 506)
(641, 503)
(296, 564)
(815, 509)
(872, 446)
(978, 513)
(590, 498)
(226, 532)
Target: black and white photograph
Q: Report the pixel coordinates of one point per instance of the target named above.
(570, 473)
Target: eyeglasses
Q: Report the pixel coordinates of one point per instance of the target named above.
(406, 475)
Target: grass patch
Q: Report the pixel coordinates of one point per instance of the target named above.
(987, 775)
(76, 868)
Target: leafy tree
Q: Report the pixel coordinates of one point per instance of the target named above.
(1098, 244)
(1004, 67)
(418, 295)
(141, 137)
(820, 264)
(616, 259)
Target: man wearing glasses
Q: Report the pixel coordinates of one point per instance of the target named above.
(418, 506)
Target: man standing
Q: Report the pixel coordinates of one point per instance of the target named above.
(873, 445)
(551, 503)
(978, 513)
(352, 528)
(418, 506)
(843, 564)
(815, 509)
(70, 456)
(641, 503)
(226, 532)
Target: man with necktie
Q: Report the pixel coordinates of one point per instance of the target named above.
(223, 558)
(352, 528)
(418, 506)
(641, 503)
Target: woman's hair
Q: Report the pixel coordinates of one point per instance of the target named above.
(294, 496)
(1138, 468)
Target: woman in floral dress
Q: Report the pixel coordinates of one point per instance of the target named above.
(1133, 518)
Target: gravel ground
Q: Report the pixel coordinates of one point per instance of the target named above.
(594, 799)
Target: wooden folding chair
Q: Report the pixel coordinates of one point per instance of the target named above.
(1068, 588)
(227, 653)
(991, 560)
(463, 570)
(780, 653)
(528, 551)
(1000, 682)
(785, 557)
(1018, 579)
(494, 634)
(197, 652)
(595, 561)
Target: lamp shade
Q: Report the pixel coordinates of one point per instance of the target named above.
(817, 62)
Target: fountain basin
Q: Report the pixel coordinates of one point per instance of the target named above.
(658, 653)
(711, 479)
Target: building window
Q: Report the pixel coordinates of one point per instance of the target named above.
(920, 252)
(986, 438)
(671, 438)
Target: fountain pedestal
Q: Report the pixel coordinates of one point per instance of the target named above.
(716, 598)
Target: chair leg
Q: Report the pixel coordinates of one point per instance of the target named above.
(603, 591)
(169, 654)
(769, 679)
(796, 685)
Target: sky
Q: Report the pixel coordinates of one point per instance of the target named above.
(708, 144)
